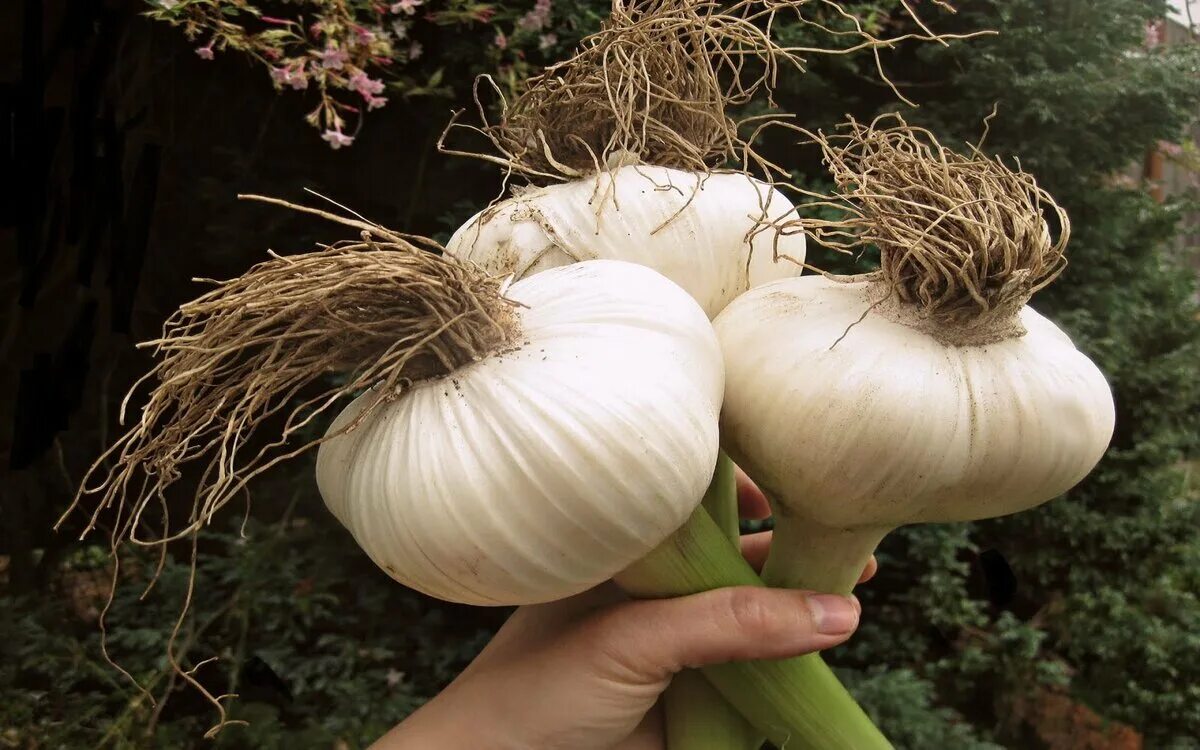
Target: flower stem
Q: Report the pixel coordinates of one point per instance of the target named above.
(797, 703)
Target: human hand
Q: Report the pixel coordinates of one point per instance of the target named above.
(585, 673)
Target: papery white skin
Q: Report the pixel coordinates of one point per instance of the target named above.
(543, 470)
(709, 240)
(853, 436)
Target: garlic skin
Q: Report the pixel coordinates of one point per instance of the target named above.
(546, 468)
(854, 427)
(653, 216)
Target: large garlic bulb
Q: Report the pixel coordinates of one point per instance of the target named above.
(548, 467)
(707, 233)
(856, 421)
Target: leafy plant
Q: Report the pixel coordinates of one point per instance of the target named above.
(352, 52)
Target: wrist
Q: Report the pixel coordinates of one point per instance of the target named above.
(431, 728)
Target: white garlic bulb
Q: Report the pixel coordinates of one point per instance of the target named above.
(707, 233)
(855, 421)
(548, 467)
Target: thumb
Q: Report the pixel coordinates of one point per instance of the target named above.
(651, 640)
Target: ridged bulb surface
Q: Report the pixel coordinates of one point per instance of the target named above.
(703, 239)
(543, 470)
(855, 422)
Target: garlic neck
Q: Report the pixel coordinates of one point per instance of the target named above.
(968, 326)
(812, 557)
(481, 323)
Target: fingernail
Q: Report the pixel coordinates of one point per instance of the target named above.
(832, 614)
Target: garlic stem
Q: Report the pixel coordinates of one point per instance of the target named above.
(810, 557)
(797, 703)
(697, 716)
(721, 500)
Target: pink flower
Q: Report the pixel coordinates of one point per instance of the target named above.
(375, 102)
(1153, 34)
(415, 51)
(1172, 150)
(546, 41)
(291, 75)
(333, 58)
(364, 35)
(336, 139)
(408, 7)
(206, 52)
(400, 29)
(538, 18)
(365, 85)
(500, 41)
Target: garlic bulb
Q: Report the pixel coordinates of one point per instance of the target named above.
(701, 231)
(927, 391)
(872, 424)
(542, 470)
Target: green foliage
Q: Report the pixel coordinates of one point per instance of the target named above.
(320, 647)
(904, 703)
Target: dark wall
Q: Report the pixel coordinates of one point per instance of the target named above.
(123, 155)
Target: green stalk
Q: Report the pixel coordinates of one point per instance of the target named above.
(797, 703)
(813, 558)
(697, 716)
(721, 499)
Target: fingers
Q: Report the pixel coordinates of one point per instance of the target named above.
(869, 571)
(752, 503)
(651, 640)
(755, 548)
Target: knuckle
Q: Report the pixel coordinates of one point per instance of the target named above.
(748, 610)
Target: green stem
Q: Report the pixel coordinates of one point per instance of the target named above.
(721, 498)
(816, 558)
(797, 703)
(697, 716)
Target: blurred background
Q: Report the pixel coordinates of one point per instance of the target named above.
(129, 127)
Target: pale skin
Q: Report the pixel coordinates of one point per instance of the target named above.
(586, 673)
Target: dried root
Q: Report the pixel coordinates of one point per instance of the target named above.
(655, 86)
(383, 311)
(263, 350)
(963, 238)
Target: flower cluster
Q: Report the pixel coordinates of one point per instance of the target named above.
(538, 18)
(349, 53)
(531, 29)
